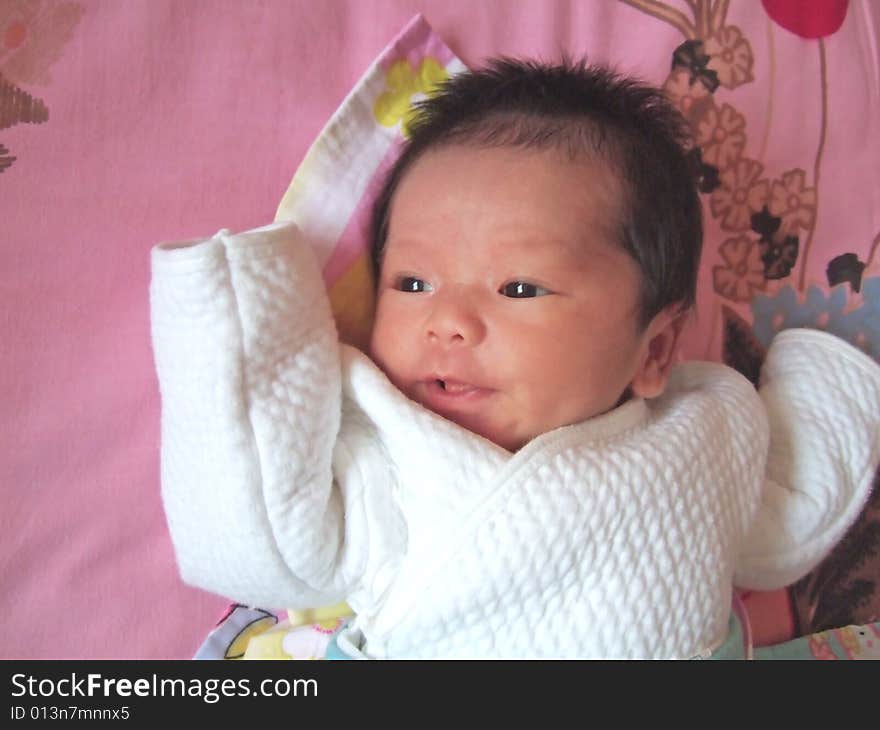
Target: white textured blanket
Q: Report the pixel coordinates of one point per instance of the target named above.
(295, 474)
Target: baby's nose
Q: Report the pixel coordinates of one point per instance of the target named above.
(455, 321)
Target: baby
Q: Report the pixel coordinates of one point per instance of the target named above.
(516, 469)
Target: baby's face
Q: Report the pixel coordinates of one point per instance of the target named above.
(504, 305)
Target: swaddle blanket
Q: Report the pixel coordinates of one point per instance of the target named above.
(444, 543)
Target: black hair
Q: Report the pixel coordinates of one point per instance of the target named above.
(589, 111)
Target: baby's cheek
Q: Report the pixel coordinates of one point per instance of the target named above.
(390, 343)
(379, 342)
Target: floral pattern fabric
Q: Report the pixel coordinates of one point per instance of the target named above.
(762, 208)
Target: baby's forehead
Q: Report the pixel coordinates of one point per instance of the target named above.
(469, 216)
(533, 188)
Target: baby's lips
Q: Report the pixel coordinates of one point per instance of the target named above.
(454, 385)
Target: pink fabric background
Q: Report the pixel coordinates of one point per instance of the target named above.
(167, 120)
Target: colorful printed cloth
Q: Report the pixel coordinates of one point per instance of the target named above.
(254, 633)
(848, 642)
(246, 633)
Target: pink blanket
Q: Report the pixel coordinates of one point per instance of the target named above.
(124, 124)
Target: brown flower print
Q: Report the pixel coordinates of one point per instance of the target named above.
(740, 195)
(779, 256)
(690, 98)
(722, 136)
(5, 158)
(18, 106)
(743, 271)
(730, 56)
(793, 202)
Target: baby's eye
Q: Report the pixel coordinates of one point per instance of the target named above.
(522, 290)
(413, 284)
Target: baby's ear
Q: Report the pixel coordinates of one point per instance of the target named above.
(660, 340)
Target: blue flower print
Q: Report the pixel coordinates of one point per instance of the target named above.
(822, 310)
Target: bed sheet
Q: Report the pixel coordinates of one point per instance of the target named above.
(123, 124)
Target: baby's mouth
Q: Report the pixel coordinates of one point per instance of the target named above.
(453, 386)
(450, 387)
(445, 396)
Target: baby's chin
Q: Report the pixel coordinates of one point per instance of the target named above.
(502, 430)
(505, 437)
(508, 436)
(513, 435)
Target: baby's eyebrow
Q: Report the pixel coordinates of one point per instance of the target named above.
(412, 244)
(530, 245)
(578, 247)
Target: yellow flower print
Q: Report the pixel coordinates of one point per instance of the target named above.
(743, 272)
(721, 134)
(404, 86)
(740, 195)
(794, 203)
(730, 56)
(691, 99)
(820, 647)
